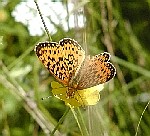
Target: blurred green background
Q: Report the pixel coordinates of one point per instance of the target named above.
(119, 27)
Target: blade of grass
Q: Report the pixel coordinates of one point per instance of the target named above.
(31, 107)
(79, 119)
(141, 118)
(132, 66)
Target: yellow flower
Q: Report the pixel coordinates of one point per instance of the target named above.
(85, 97)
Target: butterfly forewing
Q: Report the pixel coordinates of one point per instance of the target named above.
(62, 59)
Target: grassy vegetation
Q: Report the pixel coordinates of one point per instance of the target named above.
(120, 28)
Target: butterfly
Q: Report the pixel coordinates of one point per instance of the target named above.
(67, 62)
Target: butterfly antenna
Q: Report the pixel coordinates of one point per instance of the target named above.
(46, 29)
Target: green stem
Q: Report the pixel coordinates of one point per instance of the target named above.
(60, 121)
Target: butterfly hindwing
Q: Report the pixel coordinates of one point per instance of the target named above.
(94, 71)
